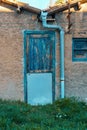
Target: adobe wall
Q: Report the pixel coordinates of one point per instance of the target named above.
(75, 72)
(11, 53)
(11, 50)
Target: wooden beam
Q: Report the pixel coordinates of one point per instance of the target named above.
(56, 9)
(23, 5)
(60, 9)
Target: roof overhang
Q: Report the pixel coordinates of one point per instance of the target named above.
(23, 5)
(57, 9)
(51, 10)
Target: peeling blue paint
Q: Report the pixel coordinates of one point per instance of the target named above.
(47, 50)
(25, 67)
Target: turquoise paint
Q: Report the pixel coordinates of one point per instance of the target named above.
(62, 62)
(25, 66)
(29, 33)
(39, 88)
(82, 47)
(54, 68)
(59, 28)
(39, 50)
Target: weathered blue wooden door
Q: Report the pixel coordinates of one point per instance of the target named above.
(39, 51)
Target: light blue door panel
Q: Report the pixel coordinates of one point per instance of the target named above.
(39, 88)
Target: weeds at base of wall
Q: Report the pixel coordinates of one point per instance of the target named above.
(63, 114)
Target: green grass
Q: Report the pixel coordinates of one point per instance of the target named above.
(63, 114)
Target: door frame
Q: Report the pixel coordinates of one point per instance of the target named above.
(25, 34)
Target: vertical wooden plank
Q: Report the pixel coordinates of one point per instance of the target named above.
(25, 66)
(41, 52)
(51, 56)
(53, 65)
(39, 46)
(35, 59)
(30, 53)
(48, 53)
(44, 55)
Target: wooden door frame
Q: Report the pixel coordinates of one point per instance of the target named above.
(25, 34)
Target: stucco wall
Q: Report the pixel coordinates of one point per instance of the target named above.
(75, 72)
(11, 51)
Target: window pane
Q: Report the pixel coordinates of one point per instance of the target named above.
(80, 54)
(79, 49)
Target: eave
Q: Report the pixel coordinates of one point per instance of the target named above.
(51, 10)
(57, 9)
(23, 5)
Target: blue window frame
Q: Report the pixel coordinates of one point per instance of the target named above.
(79, 49)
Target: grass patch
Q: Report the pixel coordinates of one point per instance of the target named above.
(63, 114)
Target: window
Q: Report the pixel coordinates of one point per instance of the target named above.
(79, 49)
